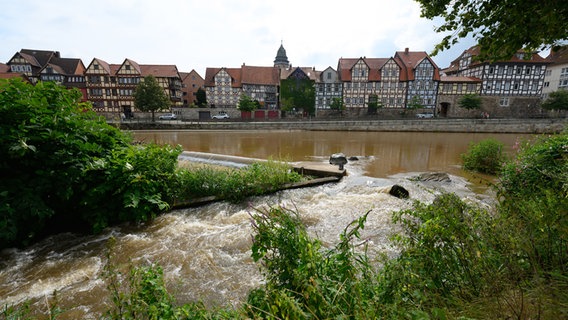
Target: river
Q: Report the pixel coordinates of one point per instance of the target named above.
(205, 251)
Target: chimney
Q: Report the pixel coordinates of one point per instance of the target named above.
(406, 50)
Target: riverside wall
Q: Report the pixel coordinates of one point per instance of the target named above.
(403, 125)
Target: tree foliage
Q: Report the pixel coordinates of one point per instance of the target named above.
(557, 100)
(415, 103)
(300, 92)
(201, 98)
(150, 96)
(337, 104)
(374, 104)
(246, 103)
(470, 102)
(501, 27)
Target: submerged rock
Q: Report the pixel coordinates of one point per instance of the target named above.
(434, 176)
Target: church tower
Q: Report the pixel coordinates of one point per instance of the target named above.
(281, 60)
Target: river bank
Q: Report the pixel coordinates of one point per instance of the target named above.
(403, 125)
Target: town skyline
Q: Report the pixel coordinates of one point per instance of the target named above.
(199, 35)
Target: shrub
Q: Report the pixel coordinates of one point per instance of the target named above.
(303, 279)
(446, 255)
(486, 156)
(64, 168)
(534, 189)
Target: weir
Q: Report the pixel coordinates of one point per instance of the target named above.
(303, 167)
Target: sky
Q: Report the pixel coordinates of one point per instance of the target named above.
(197, 34)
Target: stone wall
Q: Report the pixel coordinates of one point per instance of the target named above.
(518, 108)
(411, 125)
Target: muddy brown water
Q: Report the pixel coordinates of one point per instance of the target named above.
(205, 251)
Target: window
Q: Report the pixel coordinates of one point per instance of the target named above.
(547, 84)
(491, 70)
(504, 102)
(329, 75)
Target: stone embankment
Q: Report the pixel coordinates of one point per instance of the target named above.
(553, 125)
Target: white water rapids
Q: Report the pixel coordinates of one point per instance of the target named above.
(204, 251)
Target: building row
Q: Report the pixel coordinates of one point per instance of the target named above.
(395, 83)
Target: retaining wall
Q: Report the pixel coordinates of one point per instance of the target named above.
(410, 125)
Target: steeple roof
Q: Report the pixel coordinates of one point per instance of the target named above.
(281, 58)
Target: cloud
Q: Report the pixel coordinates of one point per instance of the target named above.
(199, 34)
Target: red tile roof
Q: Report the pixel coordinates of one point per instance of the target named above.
(244, 75)
(260, 75)
(459, 79)
(409, 60)
(558, 56)
(159, 71)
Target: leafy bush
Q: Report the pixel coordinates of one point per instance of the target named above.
(534, 189)
(304, 280)
(64, 168)
(470, 102)
(447, 255)
(487, 156)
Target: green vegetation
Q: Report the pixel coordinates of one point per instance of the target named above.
(470, 102)
(246, 103)
(500, 27)
(232, 184)
(64, 169)
(374, 104)
(487, 156)
(299, 93)
(150, 96)
(557, 100)
(201, 98)
(337, 105)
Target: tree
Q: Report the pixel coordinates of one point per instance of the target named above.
(337, 105)
(501, 27)
(246, 103)
(374, 104)
(150, 96)
(300, 92)
(414, 103)
(201, 98)
(470, 102)
(557, 100)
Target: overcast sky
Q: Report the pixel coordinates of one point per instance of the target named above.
(196, 34)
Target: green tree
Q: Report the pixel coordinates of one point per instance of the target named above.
(500, 27)
(374, 104)
(246, 103)
(337, 105)
(414, 103)
(201, 98)
(557, 100)
(470, 102)
(150, 96)
(301, 92)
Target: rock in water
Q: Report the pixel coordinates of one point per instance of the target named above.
(399, 192)
(338, 159)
